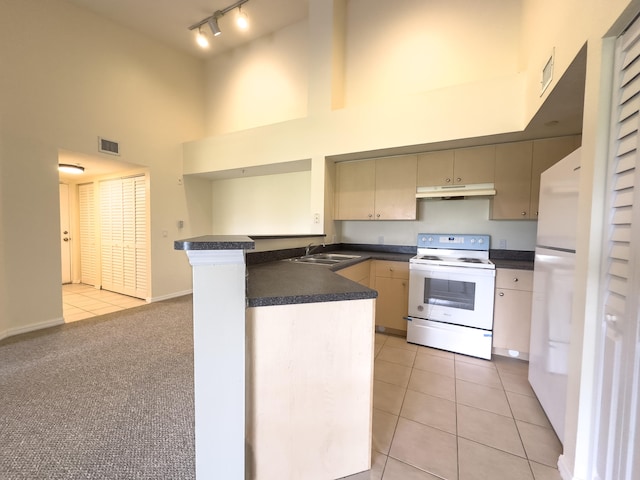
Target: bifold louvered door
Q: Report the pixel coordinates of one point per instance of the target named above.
(123, 237)
(618, 435)
(88, 243)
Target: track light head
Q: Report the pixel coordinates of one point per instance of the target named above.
(201, 39)
(242, 20)
(213, 24)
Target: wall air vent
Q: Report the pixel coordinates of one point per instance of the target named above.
(547, 74)
(108, 146)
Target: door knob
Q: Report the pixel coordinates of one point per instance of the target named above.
(65, 239)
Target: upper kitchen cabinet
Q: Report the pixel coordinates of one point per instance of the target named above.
(512, 181)
(379, 189)
(517, 175)
(547, 152)
(463, 166)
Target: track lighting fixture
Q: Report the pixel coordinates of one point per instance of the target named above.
(69, 168)
(241, 20)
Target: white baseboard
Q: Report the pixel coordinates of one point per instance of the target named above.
(30, 328)
(564, 468)
(169, 296)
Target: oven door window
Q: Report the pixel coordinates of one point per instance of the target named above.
(450, 293)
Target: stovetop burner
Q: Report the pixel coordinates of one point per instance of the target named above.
(470, 260)
(430, 257)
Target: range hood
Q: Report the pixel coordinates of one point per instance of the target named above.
(473, 190)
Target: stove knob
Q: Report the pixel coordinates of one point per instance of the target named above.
(473, 240)
(430, 239)
(480, 240)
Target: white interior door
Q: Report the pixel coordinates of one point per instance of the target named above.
(65, 238)
(123, 239)
(617, 431)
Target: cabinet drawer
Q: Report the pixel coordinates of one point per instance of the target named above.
(358, 273)
(391, 269)
(514, 279)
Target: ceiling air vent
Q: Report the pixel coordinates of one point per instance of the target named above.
(108, 146)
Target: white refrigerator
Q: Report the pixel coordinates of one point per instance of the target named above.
(553, 286)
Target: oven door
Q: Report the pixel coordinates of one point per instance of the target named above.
(456, 295)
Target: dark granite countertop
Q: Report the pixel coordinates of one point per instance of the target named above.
(215, 242)
(516, 259)
(273, 280)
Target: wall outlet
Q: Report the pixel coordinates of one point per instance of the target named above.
(316, 218)
(503, 244)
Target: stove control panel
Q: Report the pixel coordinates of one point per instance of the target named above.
(454, 242)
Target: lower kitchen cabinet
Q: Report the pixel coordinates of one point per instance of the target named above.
(512, 312)
(359, 273)
(391, 280)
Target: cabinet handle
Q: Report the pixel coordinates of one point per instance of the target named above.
(378, 215)
(448, 180)
(501, 294)
(459, 180)
(515, 279)
(523, 213)
(370, 216)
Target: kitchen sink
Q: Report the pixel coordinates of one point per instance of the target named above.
(323, 258)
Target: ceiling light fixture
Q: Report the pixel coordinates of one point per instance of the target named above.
(69, 168)
(213, 25)
(242, 20)
(201, 39)
(212, 21)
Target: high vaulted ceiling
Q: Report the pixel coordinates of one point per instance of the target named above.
(168, 21)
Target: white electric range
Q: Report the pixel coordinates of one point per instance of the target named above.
(451, 292)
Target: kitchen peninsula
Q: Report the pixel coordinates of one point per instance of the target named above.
(309, 364)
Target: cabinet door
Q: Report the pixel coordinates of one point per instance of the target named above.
(395, 188)
(512, 310)
(474, 165)
(392, 302)
(355, 184)
(512, 320)
(547, 152)
(512, 181)
(435, 168)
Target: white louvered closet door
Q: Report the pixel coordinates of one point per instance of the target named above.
(88, 244)
(123, 242)
(619, 430)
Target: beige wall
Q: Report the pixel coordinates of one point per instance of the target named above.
(259, 83)
(69, 76)
(415, 46)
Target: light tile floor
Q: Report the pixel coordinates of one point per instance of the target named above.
(81, 301)
(439, 415)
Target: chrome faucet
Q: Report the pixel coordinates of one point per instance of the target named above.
(309, 248)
